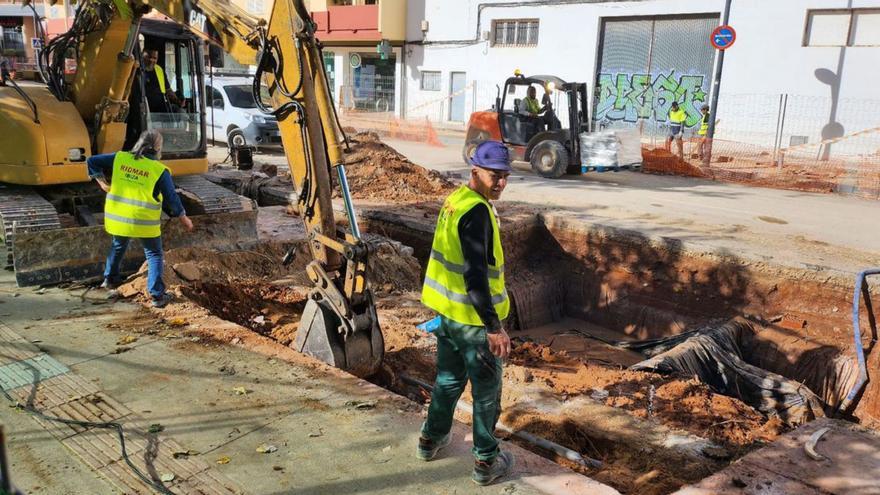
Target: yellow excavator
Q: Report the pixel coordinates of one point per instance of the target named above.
(51, 212)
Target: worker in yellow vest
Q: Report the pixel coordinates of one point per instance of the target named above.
(139, 187)
(677, 118)
(464, 283)
(158, 92)
(703, 148)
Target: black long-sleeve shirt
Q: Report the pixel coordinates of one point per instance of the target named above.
(475, 233)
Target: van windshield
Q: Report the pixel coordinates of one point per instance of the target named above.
(240, 96)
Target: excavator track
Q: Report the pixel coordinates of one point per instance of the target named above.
(208, 197)
(23, 210)
(42, 252)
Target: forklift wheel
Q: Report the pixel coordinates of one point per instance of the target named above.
(550, 159)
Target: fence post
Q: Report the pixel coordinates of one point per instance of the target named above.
(776, 138)
(781, 157)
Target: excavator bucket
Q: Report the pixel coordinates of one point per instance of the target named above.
(321, 335)
(78, 253)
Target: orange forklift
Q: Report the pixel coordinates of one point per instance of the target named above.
(552, 150)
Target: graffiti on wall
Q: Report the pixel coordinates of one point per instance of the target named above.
(632, 97)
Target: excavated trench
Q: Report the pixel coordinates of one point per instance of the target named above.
(576, 292)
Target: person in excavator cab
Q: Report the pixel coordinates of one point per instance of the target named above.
(464, 283)
(139, 187)
(156, 87)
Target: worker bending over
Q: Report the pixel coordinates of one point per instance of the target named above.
(138, 186)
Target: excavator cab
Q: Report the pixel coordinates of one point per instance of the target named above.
(177, 113)
(51, 213)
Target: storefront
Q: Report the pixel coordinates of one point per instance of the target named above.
(17, 35)
(362, 80)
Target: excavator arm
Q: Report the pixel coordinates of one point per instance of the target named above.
(339, 324)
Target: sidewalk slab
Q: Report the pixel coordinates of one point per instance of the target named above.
(334, 433)
(851, 467)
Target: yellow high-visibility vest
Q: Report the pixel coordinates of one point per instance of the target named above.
(704, 126)
(677, 116)
(532, 105)
(444, 289)
(130, 209)
(160, 75)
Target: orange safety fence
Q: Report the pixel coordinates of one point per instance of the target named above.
(370, 107)
(387, 124)
(812, 167)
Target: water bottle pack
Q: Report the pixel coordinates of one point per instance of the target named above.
(610, 150)
(599, 151)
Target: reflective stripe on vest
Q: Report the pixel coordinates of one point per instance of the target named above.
(160, 75)
(456, 268)
(130, 209)
(677, 116)
(444, 289)
(704, 126)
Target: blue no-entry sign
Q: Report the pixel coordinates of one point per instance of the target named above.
(723, 37)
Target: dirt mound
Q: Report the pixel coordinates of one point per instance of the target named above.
(376, 171)
(185, 266)
(267, 309)
(660, 161)
(253, 289)
(686, 404)
(392, 266)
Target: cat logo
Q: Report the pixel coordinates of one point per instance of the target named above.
(197, 21)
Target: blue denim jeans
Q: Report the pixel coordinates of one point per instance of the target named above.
(153, 253)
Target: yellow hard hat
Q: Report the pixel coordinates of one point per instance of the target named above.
(517, 72)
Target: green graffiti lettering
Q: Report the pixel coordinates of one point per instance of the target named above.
(633, 97)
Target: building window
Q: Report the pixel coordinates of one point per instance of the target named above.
(865, 28)
(515, 32)
(842, 27)
(430, 80)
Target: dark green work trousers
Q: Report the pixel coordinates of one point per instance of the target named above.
(462, 354)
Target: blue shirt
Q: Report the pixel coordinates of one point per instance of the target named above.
(101, 166)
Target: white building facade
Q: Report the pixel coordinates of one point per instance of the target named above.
(808, 66)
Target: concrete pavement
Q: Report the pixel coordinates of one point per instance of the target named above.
(333, 433)
(790, 228)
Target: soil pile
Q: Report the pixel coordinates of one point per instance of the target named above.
(660, 161)
(186, 266)
(685, 404)
(376, 171)
(253, 289)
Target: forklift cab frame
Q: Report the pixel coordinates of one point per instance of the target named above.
(519, 132)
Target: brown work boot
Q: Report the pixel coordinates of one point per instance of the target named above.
(428, 448)
(485, 473)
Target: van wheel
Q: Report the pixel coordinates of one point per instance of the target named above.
(235, 138)
(549, 159)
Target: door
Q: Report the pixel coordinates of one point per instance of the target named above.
(456, 96)
(330, 67)
(215, 110)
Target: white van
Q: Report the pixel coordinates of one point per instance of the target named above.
(233, 117)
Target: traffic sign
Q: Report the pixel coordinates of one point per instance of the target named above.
(723, 37)
(36, 43)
